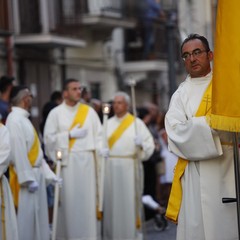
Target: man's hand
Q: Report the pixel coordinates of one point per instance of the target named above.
(104, 152)
(58, 181)
(138, 141)
(77, 132)
(33, 186)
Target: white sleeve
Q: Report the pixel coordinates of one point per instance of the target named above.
(149, 202)
(190, 137)
(53, 139)
(4, 149)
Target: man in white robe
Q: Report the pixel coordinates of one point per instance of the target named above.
(209, 172)
(122, 195)
(8, 230)
(30, 168)
(75, 129)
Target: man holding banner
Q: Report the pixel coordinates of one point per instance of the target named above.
(122, 199)
(75, 129)
(204, 173)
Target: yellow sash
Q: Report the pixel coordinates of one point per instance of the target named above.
(79, 118)
(126, 122)
(175, 198)
(32, 157)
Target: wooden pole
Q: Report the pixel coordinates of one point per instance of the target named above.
(56, 195)
(237, 179)
(106, 111)
(138, 178)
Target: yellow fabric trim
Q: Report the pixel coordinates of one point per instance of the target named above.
(32, 157)
(79, 118)
(98, 213)
(175, 198)
(126, 122)
(226, 72)
(224, 123)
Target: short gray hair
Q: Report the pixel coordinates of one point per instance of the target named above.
(19, 95)
(124, 95)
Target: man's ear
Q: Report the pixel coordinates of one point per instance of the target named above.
(64, 94)
(210, 55)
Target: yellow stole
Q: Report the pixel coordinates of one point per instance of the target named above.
(79, 118)
(126, 122)
(175, 198)
(32, 157)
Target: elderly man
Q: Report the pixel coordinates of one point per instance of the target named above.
(205, 170)
(75, 128)
(29, 170)
(130, 142)
(8, 229)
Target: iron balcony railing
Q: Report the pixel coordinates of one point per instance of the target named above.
(60, 15)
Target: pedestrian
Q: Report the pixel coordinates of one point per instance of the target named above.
(55, 100)
(122, 199)
(28, 170)
(168, 165)
(205, 170)
(149, 116)
(75, 128)
(97, 106)
(6, 84)
(86, 95)
(152, 12)
(8, 228)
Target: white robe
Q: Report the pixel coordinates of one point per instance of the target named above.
(32, 215)
(77, 210)
(119, 198)
(209, 175)
(9, 211)
(170, 161)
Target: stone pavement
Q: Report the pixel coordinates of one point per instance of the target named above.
(151, 233)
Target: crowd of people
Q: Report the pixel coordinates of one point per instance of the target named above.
(112, 168)
(72, 122)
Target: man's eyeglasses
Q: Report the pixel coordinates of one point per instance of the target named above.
(195, 53)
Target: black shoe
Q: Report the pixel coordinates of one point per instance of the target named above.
(161, 222)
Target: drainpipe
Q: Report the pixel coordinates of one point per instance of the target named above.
(170, 26)
(9, 47)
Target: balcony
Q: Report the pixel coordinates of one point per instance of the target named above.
(67, 22)
(149, 50)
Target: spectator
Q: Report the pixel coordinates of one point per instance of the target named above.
(6, 84)
(152, 11)
(55, 100)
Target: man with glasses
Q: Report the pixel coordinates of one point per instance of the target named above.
(204, 173)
